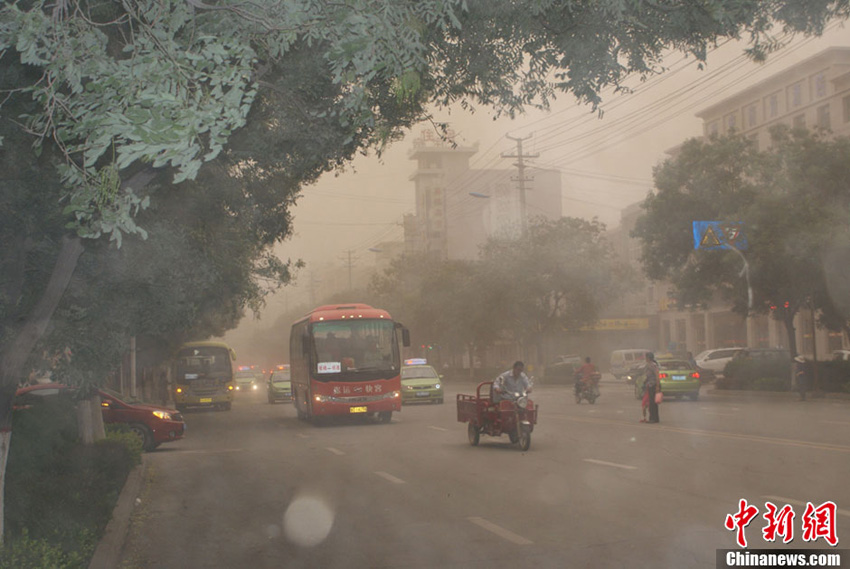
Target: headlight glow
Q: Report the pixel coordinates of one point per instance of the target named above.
(162, 415)
(410, 387)
(437, 386)
(319, 398)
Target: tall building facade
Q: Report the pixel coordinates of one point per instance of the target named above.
(458, 208)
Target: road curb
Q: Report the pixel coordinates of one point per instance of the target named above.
(790, 395)
(108, 552)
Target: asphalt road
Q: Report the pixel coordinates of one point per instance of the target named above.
(256, 488)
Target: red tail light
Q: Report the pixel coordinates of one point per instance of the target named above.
(695, 375)
(662, 376)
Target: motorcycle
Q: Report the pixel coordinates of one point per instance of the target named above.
(515, 415)
(588, 391)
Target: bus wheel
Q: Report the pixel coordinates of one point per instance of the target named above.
(385, 416)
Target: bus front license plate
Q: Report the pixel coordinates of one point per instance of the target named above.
(357, 409)
(206, 400)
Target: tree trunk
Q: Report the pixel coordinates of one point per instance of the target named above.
(14, 355)
(788, 320)
(5, 441)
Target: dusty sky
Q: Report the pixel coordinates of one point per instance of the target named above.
(606, 163)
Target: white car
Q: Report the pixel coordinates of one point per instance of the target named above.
(712, 362)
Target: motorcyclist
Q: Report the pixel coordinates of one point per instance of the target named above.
(510, 382)
(586, 376)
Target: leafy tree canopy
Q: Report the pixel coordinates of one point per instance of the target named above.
(792, 199)
(122, 86)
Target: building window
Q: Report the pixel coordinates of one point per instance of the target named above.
(752, 115)
(795, 95)
(755, 141)
(771, 106)
(713, 128)
(819, 85)
(731, 122)
(799, 121)
(823, 117)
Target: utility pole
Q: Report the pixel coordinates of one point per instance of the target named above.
(520, 164)
(350, 263)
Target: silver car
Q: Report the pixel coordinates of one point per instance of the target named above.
(713, 362)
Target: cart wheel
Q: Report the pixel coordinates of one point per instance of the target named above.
(591, 399)
(514, 437)
(474, 434)
(524, 440)
(578, 399)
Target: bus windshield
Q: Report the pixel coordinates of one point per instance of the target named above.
(203, 361)
(343, 349)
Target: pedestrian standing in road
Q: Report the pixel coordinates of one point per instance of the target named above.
(802, 375)
(652, 386)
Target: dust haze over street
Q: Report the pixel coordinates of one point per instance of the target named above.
(596, 489)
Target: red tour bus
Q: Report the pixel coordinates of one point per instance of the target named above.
(345, 359)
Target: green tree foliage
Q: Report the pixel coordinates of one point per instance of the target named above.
(793, 201)
(557, 277)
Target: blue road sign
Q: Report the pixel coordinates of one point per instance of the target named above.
(712, 235)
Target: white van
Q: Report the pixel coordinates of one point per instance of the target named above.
(623, 361)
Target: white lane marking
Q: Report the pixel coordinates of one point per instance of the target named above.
(390, 477)
(500, 531)
(836, 422)
(614, 464)
(437, 428)
(620, 411)
(336, 451)
(302, 436)
(785, 500)
(216, 451)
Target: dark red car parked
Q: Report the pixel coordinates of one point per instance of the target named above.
(153, 425)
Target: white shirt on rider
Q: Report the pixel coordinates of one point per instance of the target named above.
(510, 385)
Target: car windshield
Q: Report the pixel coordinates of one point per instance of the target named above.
(418, 373)
(673, 364)
(123, 397)
(280, 377)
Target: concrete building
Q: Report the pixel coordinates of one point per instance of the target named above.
(458, 208)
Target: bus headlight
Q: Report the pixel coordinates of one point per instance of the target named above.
(396, 394)
(320, 398)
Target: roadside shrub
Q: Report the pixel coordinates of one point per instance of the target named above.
(833, 376)
(771, 384)
(24, 552)
(745, 373)
(59, 493)
(120, 433)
